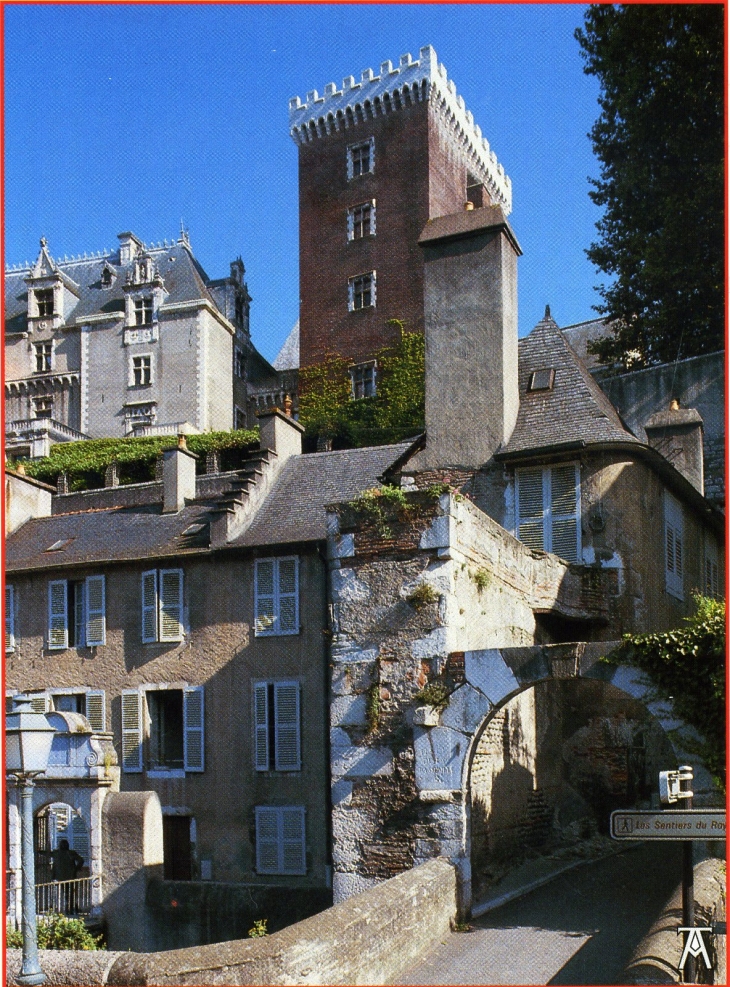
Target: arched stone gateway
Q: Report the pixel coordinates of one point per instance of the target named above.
(535, 749)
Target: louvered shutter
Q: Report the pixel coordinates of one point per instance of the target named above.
(673, 546)
(131, 730)
(41, 702)
(267, 840)
(171, 604)
(79, 837)
(530, 508)
(96, 709)
(95, 611)
(564, 509)
(9, 618)
(149, 606)
(288, 596)
(261, 725)
(194, 729)
(57, 615)
(293, 853)
(264, 594)
(286, 726)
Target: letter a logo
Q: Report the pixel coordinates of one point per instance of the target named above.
(695, 946)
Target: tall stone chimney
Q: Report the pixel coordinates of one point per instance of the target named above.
(470, 295)
(678, 435)
(178, 477)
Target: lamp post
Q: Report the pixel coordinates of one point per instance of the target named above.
(28, 739)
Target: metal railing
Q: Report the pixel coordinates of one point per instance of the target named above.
(57, 897)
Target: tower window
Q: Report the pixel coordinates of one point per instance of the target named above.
(361, 159)
(361, 221)
(362, 376)
(43, 356)
(361, 291)
(43, 407)
(44, 301)
(143, 311)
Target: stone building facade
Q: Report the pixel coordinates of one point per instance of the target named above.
(135, 342)
(378, 158)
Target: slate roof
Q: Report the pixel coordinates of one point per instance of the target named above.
(574, 411)
(288, 356)
(184, 280)
(294, 511)
(295, 508)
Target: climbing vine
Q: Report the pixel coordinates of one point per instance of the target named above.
(687, 666)
(326, 406)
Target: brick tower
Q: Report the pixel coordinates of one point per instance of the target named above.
(378, 158)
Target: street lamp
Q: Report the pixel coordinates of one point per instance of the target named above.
(28, 739)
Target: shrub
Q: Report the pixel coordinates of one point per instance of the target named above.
(422, 594)
(435, 694)
(258, 929)
(58, 932)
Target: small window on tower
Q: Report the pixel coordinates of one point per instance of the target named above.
(43, 407)
(361, 159)
(362, 376)
(361, 291)
(141, 371)
(541, 380)
(361, 221)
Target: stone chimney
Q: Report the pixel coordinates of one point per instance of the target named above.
(472, 394)
(178, 477)
(280, 433)
(25, 498)
(677, 435)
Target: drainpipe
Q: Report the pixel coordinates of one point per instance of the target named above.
(322, 553)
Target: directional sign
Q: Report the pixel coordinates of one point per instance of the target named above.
(672, 824)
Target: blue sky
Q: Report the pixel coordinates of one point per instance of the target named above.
(133, 117)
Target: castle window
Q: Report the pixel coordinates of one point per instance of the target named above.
(362, 377)
(44, 301)
(361, 291)
(43, 407)
(361, 159)
(43, 356)
(141, 371)
(239, 418)
(673, 546)
(361, 221)
(239, 364)
(142, 311)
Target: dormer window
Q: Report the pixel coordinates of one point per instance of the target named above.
(142, 311)
(107, 277)
(541, 380)
(44, 302)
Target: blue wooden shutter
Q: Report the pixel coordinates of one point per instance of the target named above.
(131, 731)
(286, 726)
(194, 728)
(57, 615)
(149, 606)
(95, 611)
(171, 604)
(261, 725)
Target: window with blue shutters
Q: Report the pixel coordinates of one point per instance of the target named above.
(76, 613)
(162, 605)
(163, 730)
(280, 840)
(673, 546)
(276, 592)
(548, 509)
(277, 731)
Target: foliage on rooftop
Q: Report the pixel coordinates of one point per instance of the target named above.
(86, 461)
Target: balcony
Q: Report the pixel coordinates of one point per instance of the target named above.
(32, 438)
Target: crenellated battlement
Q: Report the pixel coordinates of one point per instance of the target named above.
(411, 81)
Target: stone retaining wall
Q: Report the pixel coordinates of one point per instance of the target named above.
(368, 939)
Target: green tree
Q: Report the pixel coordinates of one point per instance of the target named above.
(687, 666)
(659, 141)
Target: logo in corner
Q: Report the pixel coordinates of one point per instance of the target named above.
(695, 945)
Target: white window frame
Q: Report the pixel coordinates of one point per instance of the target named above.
(9, 618)
(43, 352)
(351, 293)
(136, 730)
(91, 611)
(351, 220)
(287, 732)
(146, 369)
(535, 518)
(157, 612)
(267, 606)
(352, 150)
(674, 554)
(280, 829)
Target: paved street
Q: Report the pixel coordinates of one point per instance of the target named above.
(580, 928)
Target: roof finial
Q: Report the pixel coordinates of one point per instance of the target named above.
(44, 243)
(547, 313)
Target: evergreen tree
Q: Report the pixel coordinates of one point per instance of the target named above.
(659, 140)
